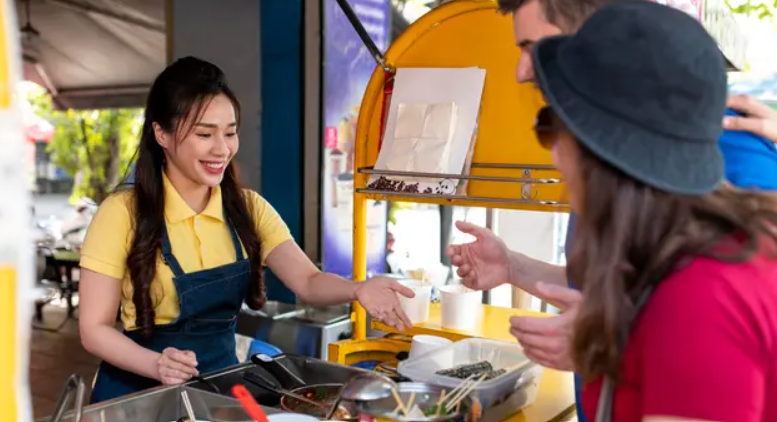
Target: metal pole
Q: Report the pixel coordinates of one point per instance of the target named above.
(365, 37)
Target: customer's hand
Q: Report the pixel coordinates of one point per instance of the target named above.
(547, 340)
(176, 366)
(758, 118)
(482, 264)
(378, 296)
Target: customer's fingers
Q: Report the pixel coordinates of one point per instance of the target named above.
(757, 125)
(751, 106)
(402, 316)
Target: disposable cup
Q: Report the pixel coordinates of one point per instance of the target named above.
(416, 308)
(461, 307)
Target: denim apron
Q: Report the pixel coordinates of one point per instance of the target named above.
(210, 301)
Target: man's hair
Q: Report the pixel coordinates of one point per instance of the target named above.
(568, 15)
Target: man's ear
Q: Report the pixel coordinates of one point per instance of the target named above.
(162, 137)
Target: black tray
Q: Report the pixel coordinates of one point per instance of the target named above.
(309, 370)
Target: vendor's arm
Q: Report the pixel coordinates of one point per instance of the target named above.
(299, 274)
(99, 302)
(487, 262)
(377, 295)
(103, 259)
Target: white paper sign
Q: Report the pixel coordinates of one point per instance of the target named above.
(430, 126)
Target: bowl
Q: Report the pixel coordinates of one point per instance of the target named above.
(426, 397)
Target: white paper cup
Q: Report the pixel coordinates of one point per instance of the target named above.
(460, 307)
(291, 417)
(423, 344)
(417, 308)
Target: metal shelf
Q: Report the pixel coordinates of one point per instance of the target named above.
(526, 181)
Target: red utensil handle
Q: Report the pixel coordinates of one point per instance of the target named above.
(250, 405)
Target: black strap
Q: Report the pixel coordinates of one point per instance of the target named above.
(604, 406)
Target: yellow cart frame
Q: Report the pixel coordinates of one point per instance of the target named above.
(509, 168)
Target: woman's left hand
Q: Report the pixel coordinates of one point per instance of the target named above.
(378, 296)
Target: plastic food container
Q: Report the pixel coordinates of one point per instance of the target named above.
(460, 307)
(417, 308)
(501, 396)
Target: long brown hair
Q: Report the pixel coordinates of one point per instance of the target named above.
(183, 89)
(630, 236)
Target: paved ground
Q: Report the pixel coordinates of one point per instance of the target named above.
(53, 358)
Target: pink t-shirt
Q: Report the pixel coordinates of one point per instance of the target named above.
(704, 347)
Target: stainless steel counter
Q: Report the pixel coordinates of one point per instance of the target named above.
(164, 404)
(299, 329)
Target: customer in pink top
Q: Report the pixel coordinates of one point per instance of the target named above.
(678, 270)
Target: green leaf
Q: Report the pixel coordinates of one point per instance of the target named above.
(93, 146)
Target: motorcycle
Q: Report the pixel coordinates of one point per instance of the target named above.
(58, 244)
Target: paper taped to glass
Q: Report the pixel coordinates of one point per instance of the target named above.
(430, 128)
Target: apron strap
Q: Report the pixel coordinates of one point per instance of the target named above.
(172, 262)
(235, 239)
(167, 253)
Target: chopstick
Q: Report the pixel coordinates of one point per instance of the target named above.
(188, 405)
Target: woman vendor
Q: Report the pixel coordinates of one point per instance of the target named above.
(182, 248)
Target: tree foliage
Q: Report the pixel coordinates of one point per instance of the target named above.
(763, 9)
(95, 147)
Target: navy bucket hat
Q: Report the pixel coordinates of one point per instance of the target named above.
(643, 87)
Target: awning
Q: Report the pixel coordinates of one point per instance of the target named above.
(93, 53)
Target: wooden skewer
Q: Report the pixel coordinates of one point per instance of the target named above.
(517, 367)
(462, 390)
(471, 387)
(399, 401)
(439, 402)
(409, 405)
(455, 392)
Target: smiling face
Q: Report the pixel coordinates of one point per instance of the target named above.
(198, 154)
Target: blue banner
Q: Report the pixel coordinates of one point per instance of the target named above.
(347, 70)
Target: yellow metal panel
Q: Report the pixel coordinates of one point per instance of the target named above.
(8, 361)
(348, 352)
(466, 33)
(494, 324)
(359, 317)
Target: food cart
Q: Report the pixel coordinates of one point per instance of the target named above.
(509, 170)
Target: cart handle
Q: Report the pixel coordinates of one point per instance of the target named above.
(365, 37)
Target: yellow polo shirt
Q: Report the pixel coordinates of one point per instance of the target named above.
(199, 242)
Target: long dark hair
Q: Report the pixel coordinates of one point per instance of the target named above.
(630, 236)
(180, 94)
